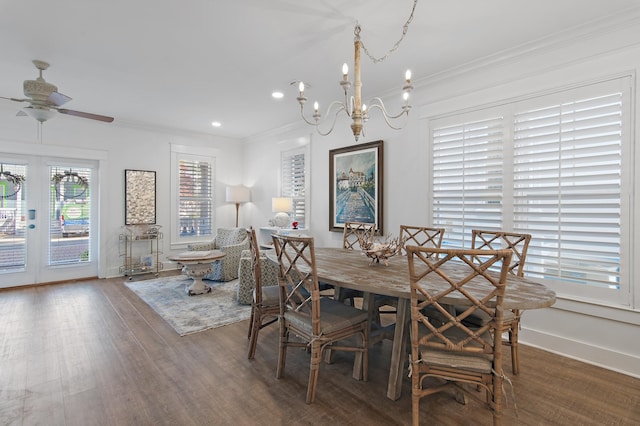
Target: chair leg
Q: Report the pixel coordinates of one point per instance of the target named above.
(415, 402)
(496, 404)
(282, 352)
(513, 342)
(251, 321)
(255, 329)
(314, 370)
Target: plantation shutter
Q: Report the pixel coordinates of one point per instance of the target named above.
(567, 188)
(467, 178)
(195, 197)
(293, 183)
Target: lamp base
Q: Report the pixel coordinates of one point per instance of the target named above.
(281, 220)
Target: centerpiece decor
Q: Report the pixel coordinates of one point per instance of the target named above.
(380, 251)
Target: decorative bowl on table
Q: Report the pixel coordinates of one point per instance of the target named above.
(380, 251)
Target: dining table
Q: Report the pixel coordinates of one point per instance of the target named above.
(352, 269)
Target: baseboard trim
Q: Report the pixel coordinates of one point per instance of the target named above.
(594, 355)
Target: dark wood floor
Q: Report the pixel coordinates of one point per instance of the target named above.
(92, 353)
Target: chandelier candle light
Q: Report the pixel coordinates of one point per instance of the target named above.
(352, 105)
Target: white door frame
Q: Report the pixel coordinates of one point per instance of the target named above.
(37, 270)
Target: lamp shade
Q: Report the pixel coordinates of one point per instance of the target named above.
(238, 194)
(281, 204)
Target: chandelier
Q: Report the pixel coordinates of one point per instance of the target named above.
(352, 104)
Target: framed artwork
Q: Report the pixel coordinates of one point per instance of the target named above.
(355, 185)
(139, 197)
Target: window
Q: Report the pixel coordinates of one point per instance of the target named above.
(193, 197)
(567, 188)
(469, 197)
(551, 166)
(292, 165)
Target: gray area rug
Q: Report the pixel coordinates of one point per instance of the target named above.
(190, 314)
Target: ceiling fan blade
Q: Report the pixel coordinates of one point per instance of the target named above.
(58, 98)
(21, 113)
(15, 99)
(85, 115)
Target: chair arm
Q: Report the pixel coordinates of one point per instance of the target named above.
(202, 246)
(244, 245)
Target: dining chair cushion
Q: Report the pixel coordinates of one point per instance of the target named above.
(480, 318)
(270, 295)
(446, 359)
(334, 316)
(443, 358)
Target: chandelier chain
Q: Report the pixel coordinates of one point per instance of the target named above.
(405, 28)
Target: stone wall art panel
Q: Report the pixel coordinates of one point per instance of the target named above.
(139, 197)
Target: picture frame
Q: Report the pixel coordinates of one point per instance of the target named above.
(139, 197)
(355, 185)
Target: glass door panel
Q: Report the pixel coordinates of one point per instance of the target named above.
(69, 215)
(13, 254)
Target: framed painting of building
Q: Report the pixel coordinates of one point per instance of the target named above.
(355, 185)
(139, 197)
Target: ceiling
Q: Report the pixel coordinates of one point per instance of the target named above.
(182, 65)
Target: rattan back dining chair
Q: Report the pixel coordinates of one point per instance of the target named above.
(265, 306)
(519, 245)
(352, 236)
(354, 232)
(462, 357)
(309, 320)
(421, 236)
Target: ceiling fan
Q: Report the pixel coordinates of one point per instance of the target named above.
(45, 100)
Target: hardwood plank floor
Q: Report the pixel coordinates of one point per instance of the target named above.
(93, 353)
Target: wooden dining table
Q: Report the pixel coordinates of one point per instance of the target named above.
(351, 269)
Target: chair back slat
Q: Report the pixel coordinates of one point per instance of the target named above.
(495, 240)
(354, 232)
(256, 267)
(420, 236)
(453, 334)
(298, 278)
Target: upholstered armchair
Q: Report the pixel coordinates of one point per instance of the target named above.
(246, 282)
(231, 241)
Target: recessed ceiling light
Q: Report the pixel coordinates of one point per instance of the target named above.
(277, 95)
(216, 124)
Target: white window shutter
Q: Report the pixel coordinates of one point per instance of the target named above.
(195, 198)
(467, 179)
(293, 183)
(567, 186)
(556, 165)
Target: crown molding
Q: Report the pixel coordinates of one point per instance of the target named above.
(630, 18)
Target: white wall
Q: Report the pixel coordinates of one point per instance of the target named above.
(603, 335)
(127, 147)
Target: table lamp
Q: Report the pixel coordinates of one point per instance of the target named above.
(238, 194)
(281, 206)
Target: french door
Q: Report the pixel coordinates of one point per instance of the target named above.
(47, 211)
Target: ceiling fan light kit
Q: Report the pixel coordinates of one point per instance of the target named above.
(45, 100)
(352, 105)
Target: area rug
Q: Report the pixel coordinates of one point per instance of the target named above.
(190, 314)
